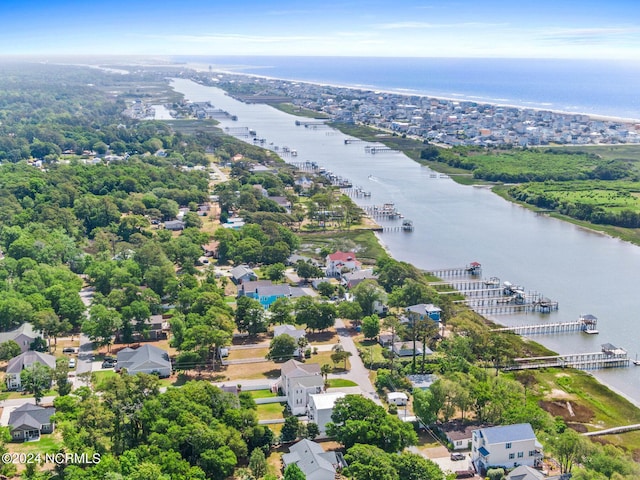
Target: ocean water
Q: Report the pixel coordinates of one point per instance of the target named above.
(596, 87)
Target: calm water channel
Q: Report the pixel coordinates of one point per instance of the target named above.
(454, 225)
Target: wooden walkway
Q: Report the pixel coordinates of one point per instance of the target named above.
(581, 361)
(547, 328)
(611, 431)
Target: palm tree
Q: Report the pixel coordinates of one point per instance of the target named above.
(326, 369)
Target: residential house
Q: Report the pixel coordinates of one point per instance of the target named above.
(423, 311)
(211, 249)
(321, 407)
(242, 273)
(315, 463)
(28, 422)
(506, 446)
(405, 349)
(386, 339)
(458, 433)
(25, 360)
(24, 336)
(174, 225)
(422, 381)
(235, 223)
(523, 472)
(293, 332)
(158, 328)
(338, 262)
(351, 279)
(282, 202)
(298, 381)
(145, 359)
(397, 398)
(267, 292)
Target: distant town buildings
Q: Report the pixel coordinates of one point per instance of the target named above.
(448, 122)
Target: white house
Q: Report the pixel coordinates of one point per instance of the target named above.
(298, 382)
(397, 398)
(26, 360)
(321, 407)
(339, 261)
(506, 446)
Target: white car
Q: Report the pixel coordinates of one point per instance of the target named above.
(72, 363)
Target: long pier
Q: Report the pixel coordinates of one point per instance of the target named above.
(473, 269)
(374, 150)
(609, 357)
(548, 328)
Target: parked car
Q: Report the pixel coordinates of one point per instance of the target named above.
(69, 350)
(457, 456)
(109, 363)
(72, 363)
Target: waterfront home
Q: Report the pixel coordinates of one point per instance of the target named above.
(28, 422)
(321, 407)
(422, 311)
(298, 381)
(315, 463)
(341, 262)
(351, 279)
(506, 446)
(26, 360)
(145, 359)
(24, 336)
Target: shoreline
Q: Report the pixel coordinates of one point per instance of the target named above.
(633, 401)
(202, 68)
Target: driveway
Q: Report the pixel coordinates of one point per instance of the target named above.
(358, 372)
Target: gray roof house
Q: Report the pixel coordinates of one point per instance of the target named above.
(28, 422)
(24, 336)
(25, 360)
(405, 349)
(242, 273)
(145, 359)
(524, 472)
(315, 463)
(174, 225)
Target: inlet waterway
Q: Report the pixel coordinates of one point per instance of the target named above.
(584, 271)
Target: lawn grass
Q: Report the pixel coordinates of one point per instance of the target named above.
(261, 393)
(371, 352)
(99, 378)
(270, 411)
(341, 382)
(363, 241)
(252, 371)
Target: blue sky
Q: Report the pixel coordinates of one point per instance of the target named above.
(439, 28)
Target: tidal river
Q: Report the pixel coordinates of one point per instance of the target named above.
(454, 225)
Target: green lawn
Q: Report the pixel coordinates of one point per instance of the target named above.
(261, 393)
(270, 411)
(341, 382)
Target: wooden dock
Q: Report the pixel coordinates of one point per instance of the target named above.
(472, 269)
(548, 328)
(374, 150)
(608, 357)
